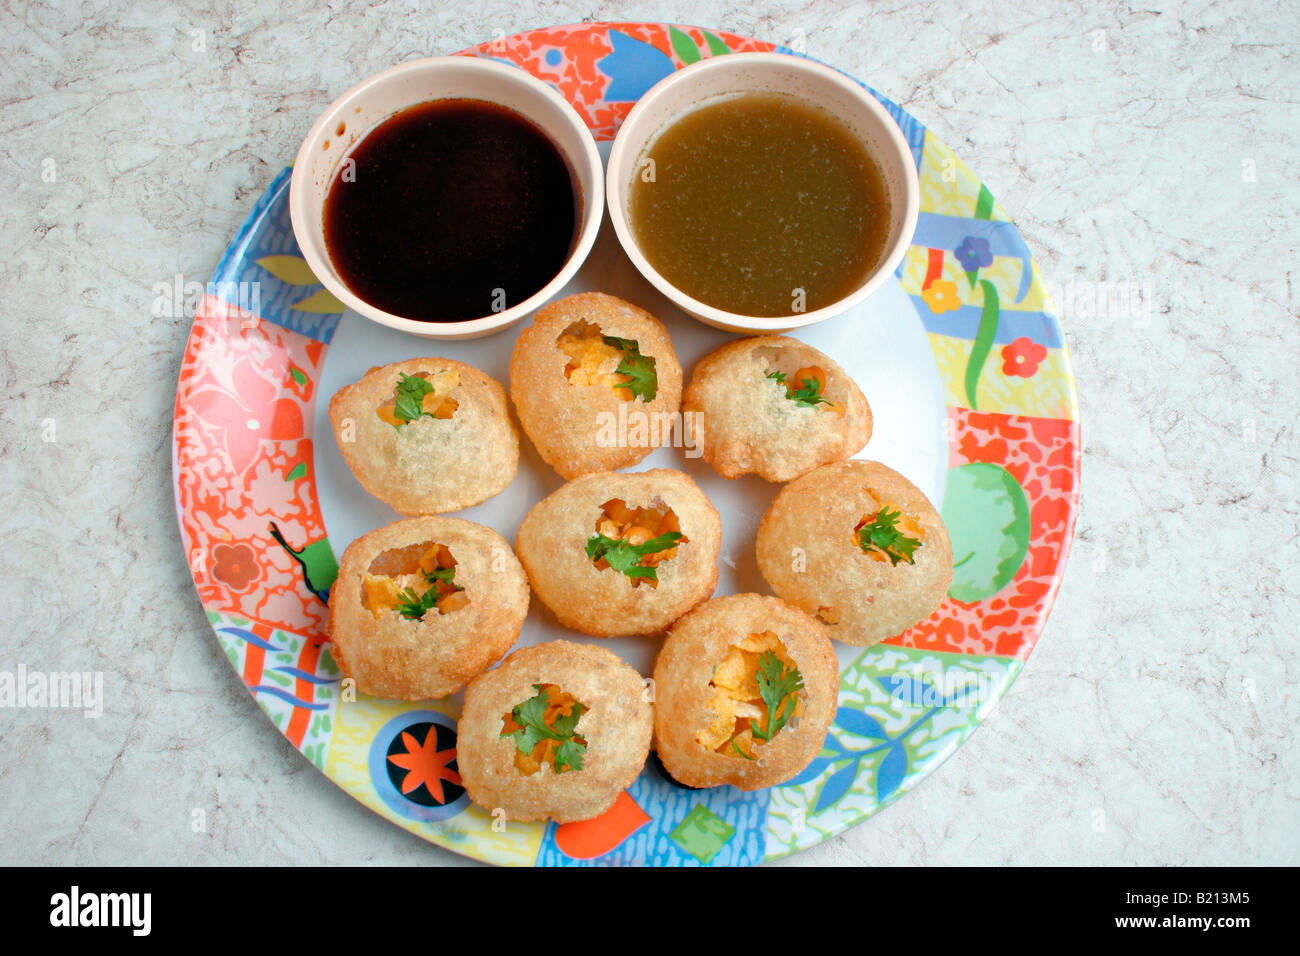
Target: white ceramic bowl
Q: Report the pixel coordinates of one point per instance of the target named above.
(371, 102)
(722, 77)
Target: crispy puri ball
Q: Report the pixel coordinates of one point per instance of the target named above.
(759, 412)
(708, 695)
(465, 597)
(613, 727)
(810, 550)
(624, 515)
(460, 450)
(570, 395)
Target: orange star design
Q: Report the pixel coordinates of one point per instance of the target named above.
(426, 764)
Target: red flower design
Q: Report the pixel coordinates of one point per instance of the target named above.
(235, 565)
(255, 412)
(1022, 357)
(426, 765)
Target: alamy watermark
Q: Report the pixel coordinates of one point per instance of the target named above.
(634, 428)
(83, 690)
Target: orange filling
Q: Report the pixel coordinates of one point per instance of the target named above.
(637, 526)
(382, 593)
(906, 524)
(558, 704)
(736, 699)
(592, 361)
(437, 403)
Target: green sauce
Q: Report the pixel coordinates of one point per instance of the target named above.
(744, 202)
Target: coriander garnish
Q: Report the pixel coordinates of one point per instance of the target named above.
(640, 369)
(415, 606)
(626, 557)
(411, 390)
(779, 689)
(881, 533)
(808, 394)
(533, 729)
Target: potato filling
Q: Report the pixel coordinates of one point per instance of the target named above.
(592, 360)
(738, 703)
(436, 402)
(889, 534)
(636, 526)
(413, 581)
(547, 716)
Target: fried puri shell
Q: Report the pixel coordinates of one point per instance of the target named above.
(429, 465)
(695, 646)
(404, 659)
(616, 725)
(809, 555)
(749, 425)
(605, 602)
(575, 426)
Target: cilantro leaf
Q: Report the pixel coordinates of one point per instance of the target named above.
(883, 534)
(637, 367)
(736, 747)
(808, 394)
(533, 729)
(626, 557)
(445, 575)
(411, 390)
(568, 756)
(779, 688)
(415, 606)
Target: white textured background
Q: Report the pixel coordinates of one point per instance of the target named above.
(1154, 149)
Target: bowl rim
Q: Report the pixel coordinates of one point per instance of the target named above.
(615, 189)
(593, 205)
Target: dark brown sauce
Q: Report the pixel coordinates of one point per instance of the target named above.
(451, 210)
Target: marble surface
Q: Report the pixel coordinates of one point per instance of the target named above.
(1137, 149)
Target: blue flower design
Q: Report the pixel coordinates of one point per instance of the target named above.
(974, 253)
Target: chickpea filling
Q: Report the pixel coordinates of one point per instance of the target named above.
(593, 359)
(413, 581)
(436, 401)
(749, 712)
(550, 719)
(805, 385)
(638, 527)
(889, 534)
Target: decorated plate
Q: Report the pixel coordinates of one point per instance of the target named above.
(962, 361)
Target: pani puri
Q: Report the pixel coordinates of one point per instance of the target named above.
(423, 605)
(745, 690)
(559, 730)
(596, 383)
(775, 406)
(615, 554)
(859, 547)
(427, 435)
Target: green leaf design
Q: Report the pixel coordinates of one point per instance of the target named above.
(984, 205)
(987, 516)
(979, 353)
(716, 46)
(291, 269)
(296, 374)
(684, 46)
(299, 470)
(323, 301)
